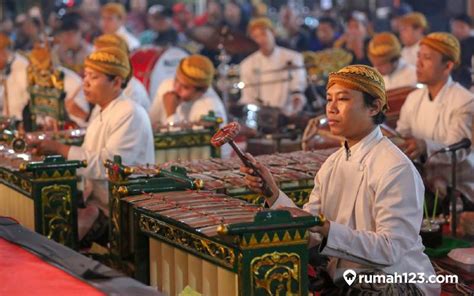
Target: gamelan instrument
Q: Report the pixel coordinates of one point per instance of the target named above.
(293, 172)
(41, 193)
(188, 140)
(219, 245)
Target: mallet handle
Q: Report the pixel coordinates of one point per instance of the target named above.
(265, 189)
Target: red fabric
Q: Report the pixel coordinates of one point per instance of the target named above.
(22, 273)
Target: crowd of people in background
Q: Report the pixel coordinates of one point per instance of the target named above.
(74, 29)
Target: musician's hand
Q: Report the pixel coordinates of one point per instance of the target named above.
(440, 185)
(50, 147)
(297, 103)
(413, 148)
(310, 131)
(171, 102)
(467, 224)
(255, 182)
(297, 212)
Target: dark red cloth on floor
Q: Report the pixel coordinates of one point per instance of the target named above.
(23, 273)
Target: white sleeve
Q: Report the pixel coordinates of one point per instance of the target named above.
(156, 111)
(404, 120)
(398, 213)
(122, 139)
(460, 126)
(313, 206)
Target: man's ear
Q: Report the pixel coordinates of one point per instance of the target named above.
(449, 66)
(118, 81)
(376, 107)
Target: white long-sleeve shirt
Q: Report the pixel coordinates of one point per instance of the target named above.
(136, 91)
(122, 128)
(255, 69)
(165, 68)
(373, 198)
(410, 53)
(16, 88)
(443, 121)
(186, 111)
(404, 75)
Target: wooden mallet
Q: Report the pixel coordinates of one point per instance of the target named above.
(227, 134)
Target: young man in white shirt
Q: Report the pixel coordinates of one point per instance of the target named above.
(384, 54)
(264, 72)
(13, 83)
(187, 96)
(439, 115)
(134, 90)
(113, 17)
(121, 127)
(412, 29)
(368, 190)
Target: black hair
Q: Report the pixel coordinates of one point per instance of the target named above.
(330, 21)
(70, 21)
(369, 101)
(463, 18)
(201, 88)
(112, 77)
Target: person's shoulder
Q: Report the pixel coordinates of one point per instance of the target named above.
(247, 62)
(289, 52)
(386, 156)
(20, 61)
(125, 106)
(461, 93)
(415, 95)
(137, 84)
(210, 97)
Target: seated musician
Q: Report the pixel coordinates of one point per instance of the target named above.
(439, 115)
(121, 128)
(134, 90)
(44, 71)
(384, 54)
(412, 29)
(113, 17)
(264, 72)
(13, 84)
(369, 191)
(189, 95)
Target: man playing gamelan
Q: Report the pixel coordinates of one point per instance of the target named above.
(264, 72)
(439, 115)
(13, 86)
(134, 90)
(384, 54)
(121, 128)
(189, 95)
(412, 29)
(369, 191)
